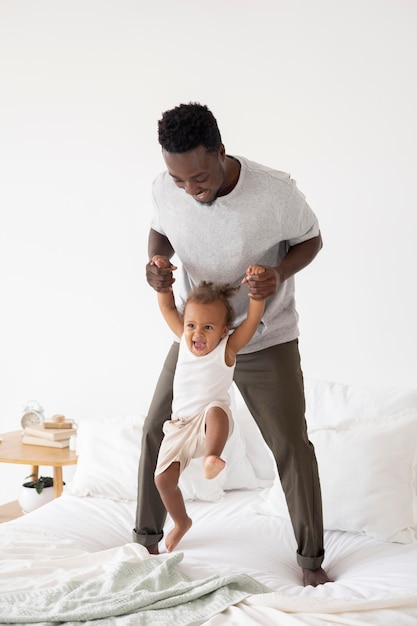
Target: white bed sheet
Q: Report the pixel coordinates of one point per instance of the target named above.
(374, 582)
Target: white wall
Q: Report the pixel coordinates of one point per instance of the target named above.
(325, 90)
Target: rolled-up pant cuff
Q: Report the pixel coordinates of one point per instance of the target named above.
(307, 562)
(146, 540)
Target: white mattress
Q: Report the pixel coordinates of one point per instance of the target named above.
(227, 536)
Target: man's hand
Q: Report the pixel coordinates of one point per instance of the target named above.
(298, 256)
(159, 273)
(263, 284)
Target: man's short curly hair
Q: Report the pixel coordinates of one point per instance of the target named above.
(207, 293)
(188, 126)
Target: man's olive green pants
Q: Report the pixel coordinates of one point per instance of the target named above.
(271, 384)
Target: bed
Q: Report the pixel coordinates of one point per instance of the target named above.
(73, 560)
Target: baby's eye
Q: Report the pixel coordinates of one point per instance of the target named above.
(208, 327)
(190, 325)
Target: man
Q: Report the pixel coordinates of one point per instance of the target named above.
(220, 213)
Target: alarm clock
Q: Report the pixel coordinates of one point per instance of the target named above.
(32, 414)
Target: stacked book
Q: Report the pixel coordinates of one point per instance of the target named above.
(45, 435)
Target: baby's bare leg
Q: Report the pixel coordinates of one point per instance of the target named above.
(217, 431)
(171, 496)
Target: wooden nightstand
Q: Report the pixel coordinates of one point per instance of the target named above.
(12, 450)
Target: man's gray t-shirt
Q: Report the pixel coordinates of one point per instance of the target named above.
(256, 222)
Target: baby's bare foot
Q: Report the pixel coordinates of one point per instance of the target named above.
(177, 533)
(212, 466)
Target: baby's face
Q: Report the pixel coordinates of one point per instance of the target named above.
(204, 326)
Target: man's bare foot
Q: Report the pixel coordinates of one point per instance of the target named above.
(315, 577)
(212, 466)
(177, 533)
(153, 548)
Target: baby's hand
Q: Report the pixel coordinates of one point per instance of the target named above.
(160, 261)
(251, 271)
(255, 269)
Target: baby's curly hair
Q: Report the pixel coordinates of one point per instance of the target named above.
(207, 293)
(188, 126)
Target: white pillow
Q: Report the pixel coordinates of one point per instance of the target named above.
(108, 457)
(366, 474)
(329, 403)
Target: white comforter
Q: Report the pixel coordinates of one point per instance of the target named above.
(46, 579)
(375, 583)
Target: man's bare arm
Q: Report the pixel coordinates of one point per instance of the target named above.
(298, 256)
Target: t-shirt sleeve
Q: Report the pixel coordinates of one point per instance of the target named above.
(304, 223)
(156, 216)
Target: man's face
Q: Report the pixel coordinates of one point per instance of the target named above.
(199, 172)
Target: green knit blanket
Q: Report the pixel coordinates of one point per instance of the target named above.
(149, 592)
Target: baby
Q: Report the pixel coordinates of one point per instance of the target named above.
(201, 420)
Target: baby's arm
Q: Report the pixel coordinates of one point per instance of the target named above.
(245, 331)
(166, 301)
